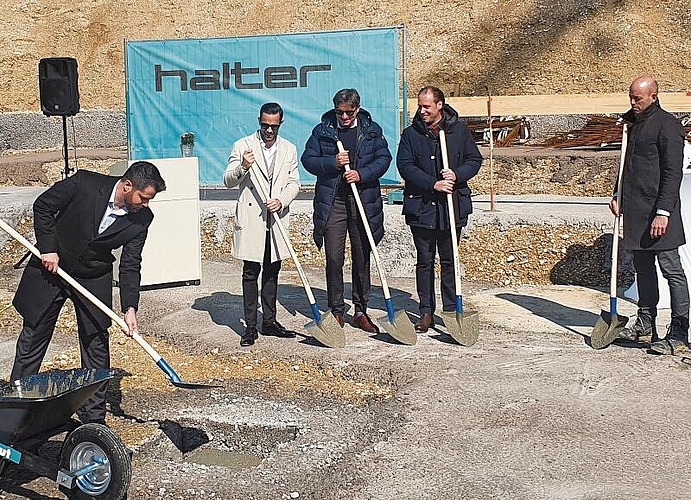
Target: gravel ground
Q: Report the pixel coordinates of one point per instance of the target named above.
(523, 414)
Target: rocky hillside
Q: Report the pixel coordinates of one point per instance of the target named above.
(464, 46)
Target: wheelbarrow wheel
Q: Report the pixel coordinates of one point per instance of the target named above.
(92, 444)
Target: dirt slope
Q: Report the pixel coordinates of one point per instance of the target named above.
(515, 47)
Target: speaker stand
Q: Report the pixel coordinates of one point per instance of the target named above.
(19, 263)
(68, 170)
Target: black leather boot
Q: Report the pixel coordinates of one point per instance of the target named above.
(643, 327)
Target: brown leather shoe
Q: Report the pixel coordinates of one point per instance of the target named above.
(363, 322)
(425, 322)
(339, 318)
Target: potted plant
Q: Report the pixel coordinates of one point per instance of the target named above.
(187, 143)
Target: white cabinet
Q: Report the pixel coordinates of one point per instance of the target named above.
(172, 253)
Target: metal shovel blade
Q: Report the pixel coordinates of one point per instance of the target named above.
(607, 329)
(191, 385)
(172, 375)
(401, 329)
(464, 328)
(327, 331)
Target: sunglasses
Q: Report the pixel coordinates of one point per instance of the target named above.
(349, 113)
(272, 126)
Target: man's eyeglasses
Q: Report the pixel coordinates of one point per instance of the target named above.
(348, 112)
(272, 126)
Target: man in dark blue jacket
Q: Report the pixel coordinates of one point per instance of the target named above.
(427, 184)
(335, 211)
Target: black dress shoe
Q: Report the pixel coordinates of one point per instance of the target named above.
(275, 329)
(425, 322)
(249, 336)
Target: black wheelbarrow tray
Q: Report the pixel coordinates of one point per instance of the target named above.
(93, 463)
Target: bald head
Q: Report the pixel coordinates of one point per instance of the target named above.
(642, 93)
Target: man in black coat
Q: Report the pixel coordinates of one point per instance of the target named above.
(78, 222)
(335, 211)
(427, 184)
(651, 209)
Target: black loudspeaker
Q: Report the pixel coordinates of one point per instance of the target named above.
(57, 83)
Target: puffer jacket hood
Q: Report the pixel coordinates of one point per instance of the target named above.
(372, 162)
(448, 122)
(329, 122)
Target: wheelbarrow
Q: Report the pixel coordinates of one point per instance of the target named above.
(93, 462)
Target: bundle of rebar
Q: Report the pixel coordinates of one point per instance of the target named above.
(598, 132)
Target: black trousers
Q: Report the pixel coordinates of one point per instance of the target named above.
(648, 292)
(250, 289)
(33, 342)
(427, 242)
(345, 219)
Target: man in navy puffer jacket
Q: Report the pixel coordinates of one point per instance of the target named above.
(427, 184)
(335, 211)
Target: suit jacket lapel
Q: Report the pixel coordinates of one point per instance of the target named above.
(259, 159)
(280, 157)
(101, 203)
(120, 223)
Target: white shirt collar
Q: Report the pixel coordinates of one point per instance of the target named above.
(263, 144)
(352, 126)
(111, 203)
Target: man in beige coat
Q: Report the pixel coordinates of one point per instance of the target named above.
(255, 239)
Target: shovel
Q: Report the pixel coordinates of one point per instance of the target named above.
(610, 324)
(396, 324)
(463, 325)
(325, 327)
(173, 377)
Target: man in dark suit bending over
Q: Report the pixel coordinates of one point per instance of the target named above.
(78, 223)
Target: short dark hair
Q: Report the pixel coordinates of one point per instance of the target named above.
(435, 91)
(271, 108)
(142, 174)
(349, 96)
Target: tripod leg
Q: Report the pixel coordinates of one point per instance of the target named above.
(65, 154)
(21, 261)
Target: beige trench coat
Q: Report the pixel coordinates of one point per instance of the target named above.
(250, 213)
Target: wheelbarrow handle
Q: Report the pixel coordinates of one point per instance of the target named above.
(95, 301)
